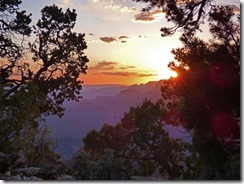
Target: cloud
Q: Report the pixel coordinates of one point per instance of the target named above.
(235, 8)
(148, 16)
(123, 37)
(113, 7)
(126, 67)
(144, 17)
(65, 3)
(116, 69)
(104, 65)
(128, 74)
(112, 10)
(118, 6)
(140, 36)
(108, 39)
(110, 65)
(129, 9)
(91, 34)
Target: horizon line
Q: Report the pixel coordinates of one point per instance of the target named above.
(114, 84)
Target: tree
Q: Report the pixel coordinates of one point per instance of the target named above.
(142, 144)
(104, 167)
(12, 22)
(36, 78)
(208, 84)
(207, 88)
(187, 16)
(38, 147)
(18, 113)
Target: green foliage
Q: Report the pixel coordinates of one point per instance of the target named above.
(141, 143)
(45, 146)
(20, 131)
(83, 166)
(38, 147)
(20, 112)
(101, 168)
(147, 168)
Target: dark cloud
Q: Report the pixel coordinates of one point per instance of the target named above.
(144, 17)
(147, 16)
(114, 39)
(108, 39)
(128, 74)
(123, 37)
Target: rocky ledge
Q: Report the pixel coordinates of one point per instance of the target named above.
(14, 168)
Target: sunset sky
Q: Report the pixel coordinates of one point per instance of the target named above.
(124, 45)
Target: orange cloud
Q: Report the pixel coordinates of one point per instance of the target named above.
(110, 72)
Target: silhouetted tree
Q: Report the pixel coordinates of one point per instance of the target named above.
(142, 144)
(104, 167)
(12, 23)
(207, 88)
(208, 85)
(36, 78)
(187, 16)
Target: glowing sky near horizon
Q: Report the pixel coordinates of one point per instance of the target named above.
(124, 45)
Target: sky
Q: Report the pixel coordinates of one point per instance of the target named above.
(124, 45)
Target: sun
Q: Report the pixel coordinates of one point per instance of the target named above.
(174, 74)
(158, 60)
(165, 73)
(159, 64)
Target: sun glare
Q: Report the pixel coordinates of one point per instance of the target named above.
(159, 64)
(174, 74)
(166, 73)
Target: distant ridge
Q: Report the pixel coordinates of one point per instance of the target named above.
(104, 85)
(100, 104)
(117, 84)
